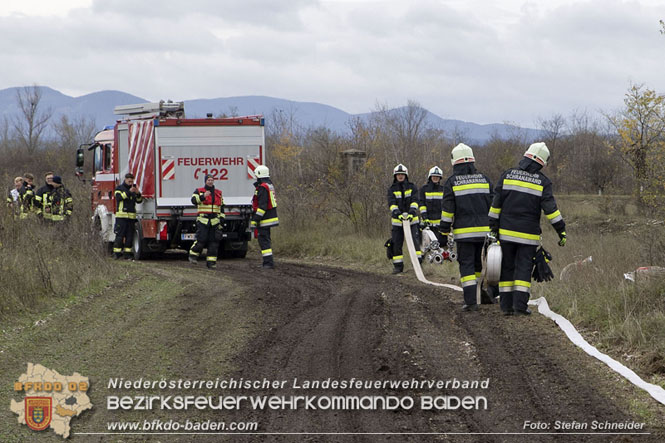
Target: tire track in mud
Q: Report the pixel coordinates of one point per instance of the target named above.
(324, 322)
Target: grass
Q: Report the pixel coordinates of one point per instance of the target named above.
(42, 262)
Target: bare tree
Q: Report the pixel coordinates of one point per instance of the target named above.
(71, 133)
(32, 121)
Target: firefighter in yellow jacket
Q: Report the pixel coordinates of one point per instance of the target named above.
(265, 217)
(209, 222)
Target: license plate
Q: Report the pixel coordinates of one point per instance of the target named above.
(188, 236)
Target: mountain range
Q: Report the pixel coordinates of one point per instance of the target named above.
(98, 106)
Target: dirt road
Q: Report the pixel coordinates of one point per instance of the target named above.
(300, 323)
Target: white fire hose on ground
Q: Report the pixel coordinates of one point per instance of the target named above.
(566, 326)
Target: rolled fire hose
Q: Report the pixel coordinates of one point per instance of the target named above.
(566, 326)
(406, 226)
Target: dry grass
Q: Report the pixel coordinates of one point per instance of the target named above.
(40, 260)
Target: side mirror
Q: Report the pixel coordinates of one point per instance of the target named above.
(79, 158)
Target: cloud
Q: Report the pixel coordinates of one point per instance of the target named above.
(477, 61)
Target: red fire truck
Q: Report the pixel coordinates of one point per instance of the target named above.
(170, 155)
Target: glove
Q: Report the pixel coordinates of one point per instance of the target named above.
(410, 217)
(401, 217)
(541, 268)
(562, 238)
(425, 224)
(252, 224)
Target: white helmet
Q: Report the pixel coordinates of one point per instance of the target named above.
(435, 172)
(461, 154)
(400, 169)
(262, 171)
(538, 152)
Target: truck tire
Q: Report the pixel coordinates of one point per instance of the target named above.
(139, 246)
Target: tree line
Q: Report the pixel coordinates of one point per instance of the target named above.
(320, 172)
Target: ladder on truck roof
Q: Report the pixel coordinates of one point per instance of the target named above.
(161, 109)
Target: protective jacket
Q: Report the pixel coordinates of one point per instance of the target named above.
(40, 200)
(403, 197)
(521, 194)
(210, 209)
(431, 199)
(125, 202)
(28, 199)
(58, 204)
(264, 204)
(467, 195)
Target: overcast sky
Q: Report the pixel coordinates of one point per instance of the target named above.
(481, 61)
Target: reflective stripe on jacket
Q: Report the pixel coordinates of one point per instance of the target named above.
(431, 202)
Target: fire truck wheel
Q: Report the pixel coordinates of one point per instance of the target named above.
(139, 244)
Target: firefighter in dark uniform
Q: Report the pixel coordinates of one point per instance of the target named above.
(403, 204)
(431, 198)
(264, 206)
(210, 208)
(127, 195)
(467, 196)
(521, 194)
(40, 196)
(58, 203)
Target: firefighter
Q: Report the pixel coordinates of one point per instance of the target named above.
(210, 209)
(431, 197)
(521, 194)
(265, 217)
(58, 202)
(29, 194)
(127, 195)
(40, 196)
(467, 195)
(403, 205)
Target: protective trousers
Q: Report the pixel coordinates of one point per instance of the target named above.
(205, 237)
(124, 235)
(397, 239)
(515, 280)
(469, 257)
(265, 245)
